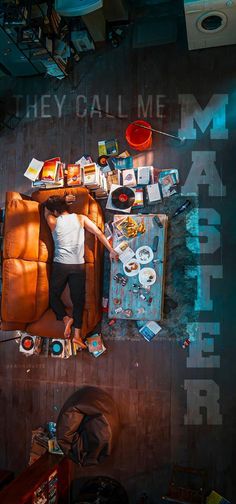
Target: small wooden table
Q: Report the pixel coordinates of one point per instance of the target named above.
(129, 300)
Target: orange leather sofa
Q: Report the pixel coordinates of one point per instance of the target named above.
(27, 258)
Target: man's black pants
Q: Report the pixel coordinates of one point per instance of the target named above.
(74, 274)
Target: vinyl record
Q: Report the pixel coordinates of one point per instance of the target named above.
(56, 348)
(27, 343)
(123, 198)
(102, 160)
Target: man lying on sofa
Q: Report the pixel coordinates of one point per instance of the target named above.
(68, 261)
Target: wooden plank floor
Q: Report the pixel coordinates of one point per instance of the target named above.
(146, 380)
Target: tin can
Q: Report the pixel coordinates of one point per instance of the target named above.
(119, 310)
(141, 310)
(104, 305)
(186, 343)
(117, 301)
(112, 322)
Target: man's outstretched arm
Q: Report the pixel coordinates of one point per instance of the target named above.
(92, 228)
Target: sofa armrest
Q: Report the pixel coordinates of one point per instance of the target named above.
(14, 195)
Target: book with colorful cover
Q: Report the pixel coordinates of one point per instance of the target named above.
(49, 170)
(125, 252)
(153, 193)
(73, 174)
(90, 174)
(94, 343)
(122, 163)
(124, 154)
(84, 160)
(99, 352)
(113, 177)
(168, 179)
(150, 330)
(129, 178)
(108, 147)
(143, 175)
(125, 227)
(58, 182)
(60, 173)
(139, 198)
(34, 169)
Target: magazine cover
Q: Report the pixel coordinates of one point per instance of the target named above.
(90, 173)
(33, 169)
(73, 174)
(108, 147)
(126, 226)
(49, 170)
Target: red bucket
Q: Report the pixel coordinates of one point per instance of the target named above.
(139, 138)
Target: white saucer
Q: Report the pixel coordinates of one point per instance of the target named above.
(144, 254)
(133, 272)
(147, 276)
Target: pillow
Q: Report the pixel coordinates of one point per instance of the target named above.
(21, 230)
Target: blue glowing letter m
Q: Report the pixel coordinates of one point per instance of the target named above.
(214, 113)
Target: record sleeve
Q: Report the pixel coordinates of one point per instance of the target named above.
(123, 198)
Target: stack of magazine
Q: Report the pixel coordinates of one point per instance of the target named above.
(95, 180)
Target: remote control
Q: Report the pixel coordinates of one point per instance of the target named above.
(155, 243)
(157, 221)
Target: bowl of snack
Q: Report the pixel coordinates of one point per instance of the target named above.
(144, 254)
(131, 268)
(147, 276)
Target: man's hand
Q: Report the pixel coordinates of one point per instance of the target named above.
(114, 255)
(70, 198)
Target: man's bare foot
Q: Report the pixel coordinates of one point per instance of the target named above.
(68, 321)
(77, 339)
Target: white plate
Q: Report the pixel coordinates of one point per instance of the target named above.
(147, 276)
(133, 262)
(144, 254)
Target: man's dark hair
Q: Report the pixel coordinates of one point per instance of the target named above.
(57, 204)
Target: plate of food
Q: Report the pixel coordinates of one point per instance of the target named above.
(147, 276)
(132, 267)
(144, 254)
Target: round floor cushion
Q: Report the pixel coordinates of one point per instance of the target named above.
(88, 426)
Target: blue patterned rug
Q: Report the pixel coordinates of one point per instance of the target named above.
(180, 292)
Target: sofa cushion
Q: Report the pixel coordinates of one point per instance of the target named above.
(19, 287)
(21, 230)
(25, 288)
(42, 289)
